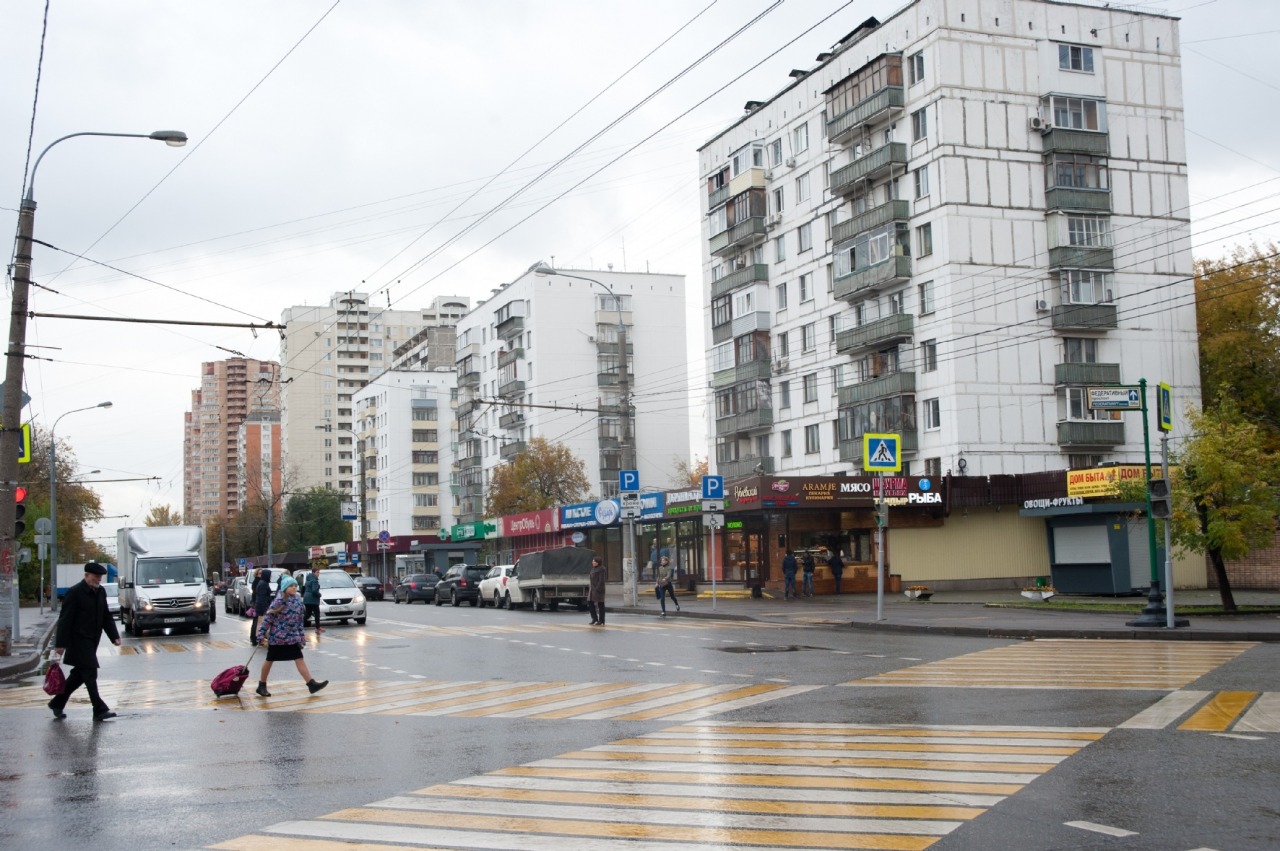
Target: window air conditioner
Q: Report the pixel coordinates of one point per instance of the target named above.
(791, 162)
(1042, 306)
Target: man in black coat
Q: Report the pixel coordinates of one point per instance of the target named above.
(83, 619)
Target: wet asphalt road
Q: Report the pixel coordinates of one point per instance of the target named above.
(176, 770)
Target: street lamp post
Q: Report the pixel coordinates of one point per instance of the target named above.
(53, 492)
(629, 594)
(15, 353)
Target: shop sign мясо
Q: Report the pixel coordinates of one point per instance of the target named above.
(833, 491)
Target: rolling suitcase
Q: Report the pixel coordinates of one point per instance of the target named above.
(230, 680)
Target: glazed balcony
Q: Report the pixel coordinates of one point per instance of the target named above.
(1086, 373)
(748, 421)
(850, 178)
(1083, 317)
(893, 384)
(744, 233)
(1075, 434)
(748, 275)
(759, 321)
(749, 371)
(881, 332)
(1082, 257)
(1084, 200)
(894, 211)
(1064, 140)
(895, 270)
(846, 125)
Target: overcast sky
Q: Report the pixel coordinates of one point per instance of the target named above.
(348, 145)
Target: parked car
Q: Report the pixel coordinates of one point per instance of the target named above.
(233, 603)
(220, 587)
(113, 598)
(340, 599)
(370, 586)
(461, 582)
(501, 588)
(416, 586)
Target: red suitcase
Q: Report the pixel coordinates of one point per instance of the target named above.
(230, 680)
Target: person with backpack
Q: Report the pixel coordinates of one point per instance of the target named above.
(809, 567)
(789, 576)
(837, 568)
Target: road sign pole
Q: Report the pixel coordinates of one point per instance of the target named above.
(880, 521)
(1154, 613)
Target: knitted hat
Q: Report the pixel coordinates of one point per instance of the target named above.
(285, 582)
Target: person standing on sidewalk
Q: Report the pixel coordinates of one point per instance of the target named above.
(311, 598)
(83, 619)
(809, 567)
(260, 599)
(789, 576)
(665, 586)
(595, 592)
(837, 568)
(281, 630)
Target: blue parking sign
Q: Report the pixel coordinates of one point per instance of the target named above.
(628, 480)
(713, 487)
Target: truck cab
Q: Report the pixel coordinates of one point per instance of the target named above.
(162, 578)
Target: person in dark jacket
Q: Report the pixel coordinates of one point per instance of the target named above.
(311, 597)
(261, 600)
(789, 575)
(836, 563)
(809, 567)
(83, 619)
(595, 592)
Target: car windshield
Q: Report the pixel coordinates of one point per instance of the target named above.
(335, 579)
(169, 571)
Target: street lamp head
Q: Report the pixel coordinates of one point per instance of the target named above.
(103, 405)
(172, 138)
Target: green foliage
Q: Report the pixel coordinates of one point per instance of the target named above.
(544, 475)
(311, 518)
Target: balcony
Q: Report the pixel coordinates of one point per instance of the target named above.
(890, 329)
(511, 450)
(607, 379)
(894, 211)
(1064, 140)
(511, 388)
(510, 327)
(609, 441)
(1086, 373)
(749, 421)
(1083, 317)
(469, 379)
(1084, 200)
(474, 489)
(464, 352)
(465, 408)
(849, 178)
(748, 275)
(509, 357)
(716, 197)
(748, 371)
(606, 347)
(759, 321)
(469, 461)
(893, 384)
(744, 233)
(895, 270)
(845, 125)
(851, 450)
(1081, 257)
(744, 467)
(1075, 434)
(511, 419)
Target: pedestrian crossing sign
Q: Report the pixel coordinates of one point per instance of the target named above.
(880, 453)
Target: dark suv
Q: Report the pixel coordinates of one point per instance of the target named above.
(417, 586)
(461, 582)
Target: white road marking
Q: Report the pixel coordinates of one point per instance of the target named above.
(1238, 736)
(1100, 828)
(1168, 709)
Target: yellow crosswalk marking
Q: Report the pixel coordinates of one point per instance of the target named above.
(1220, 711)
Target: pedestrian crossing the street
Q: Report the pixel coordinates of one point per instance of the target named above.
(711, 785)
(1070, 664)
(1212, 712)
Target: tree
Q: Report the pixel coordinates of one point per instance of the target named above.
(689, 473)
(313, 517)
(1224, 499)
(545, 474)
(1238, 319)
(163, 515)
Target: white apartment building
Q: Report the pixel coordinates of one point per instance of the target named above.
(405, 419)
(949, 228)
(328, 353)
(540, 358)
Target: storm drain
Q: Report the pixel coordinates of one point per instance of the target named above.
(767, 648)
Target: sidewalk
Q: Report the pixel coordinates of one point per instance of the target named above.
(35, 631)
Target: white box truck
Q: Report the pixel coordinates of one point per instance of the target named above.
(162, 578)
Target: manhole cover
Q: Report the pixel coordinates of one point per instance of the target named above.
(767, 648)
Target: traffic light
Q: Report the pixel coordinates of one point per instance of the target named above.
(19, 511)
(1161, 499)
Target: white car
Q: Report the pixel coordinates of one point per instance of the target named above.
(113, 598)
(501, 588)
(340, 599)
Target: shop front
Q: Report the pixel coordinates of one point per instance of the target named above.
(528, 532)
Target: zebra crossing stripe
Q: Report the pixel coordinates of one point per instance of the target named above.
(1168, 709)
(1263, 717)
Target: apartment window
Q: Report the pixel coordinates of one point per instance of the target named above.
(1084, 462)
(781, 344)
(426, 479)
(780, 249)
(1073, 57)
(775, 152)
(802, 188)
(812, 440)
(425, 435)
(919, 125)
(721, 310)
(922, 181)
(915, 67)
(932, 414)
(897, 303)
(804, 236)
(744, 302)
(811, 387)
(780, 296)
(924, 240)
(806, 288)
(1084, 286)
(808, 338)
(1080, 350)
(926, 298)
(833, 327)
(784, 394)
(778, 200)
(1077, 113)
(929, 356)
(1073, 404)
(1076, 171)
(786, 444)
(1089, 231)
(933, 467)
(801, 138)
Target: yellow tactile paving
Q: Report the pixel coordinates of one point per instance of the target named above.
(1221, 710)
(1070, 664)
(683, 796)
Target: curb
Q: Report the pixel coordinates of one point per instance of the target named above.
(17, 666)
